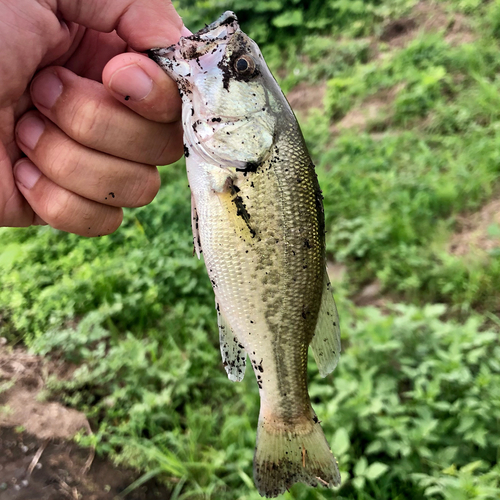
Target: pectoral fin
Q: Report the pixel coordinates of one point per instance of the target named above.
(325, 344)
(234, 357)
(194, 226)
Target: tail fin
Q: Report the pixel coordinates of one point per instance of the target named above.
(284, 457)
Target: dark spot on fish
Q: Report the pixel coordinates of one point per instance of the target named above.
(127, 97)
(250, 166)
(315, 419)
(186, 151)
(112, 195)
(241, 210)
(306, 243)
(216, 119)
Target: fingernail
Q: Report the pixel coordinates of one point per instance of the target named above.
(185, 32)
(46, 89)
(131, 82)
(27, 174)
(29, 131)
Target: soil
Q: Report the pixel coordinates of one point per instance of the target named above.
(305, 97)
(60, 472)
(475, 234)
(428, 17)
(38, 460)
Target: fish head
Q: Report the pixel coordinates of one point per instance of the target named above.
(231, 102)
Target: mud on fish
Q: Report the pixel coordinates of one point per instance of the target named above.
(257, 216)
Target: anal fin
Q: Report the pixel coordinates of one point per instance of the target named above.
(325, 344)
(233, 353)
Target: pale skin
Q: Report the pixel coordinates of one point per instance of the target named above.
(84, 118)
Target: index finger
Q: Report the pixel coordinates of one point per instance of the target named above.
(141, 23)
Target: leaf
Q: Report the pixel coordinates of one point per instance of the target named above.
(359, 482)
(360, 467)
(375, 470)
(292, 18)
(340, 442)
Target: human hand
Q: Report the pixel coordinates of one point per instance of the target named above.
(91, 147)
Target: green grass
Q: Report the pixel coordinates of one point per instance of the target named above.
(412, 409)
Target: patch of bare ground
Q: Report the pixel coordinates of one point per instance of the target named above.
(425, 17)
(371, 109)
(305, 97)
(474, 234)
(37, 457)
(370, 295)
(428, 17)
(43, 419)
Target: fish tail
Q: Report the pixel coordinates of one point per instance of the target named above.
(284, 456)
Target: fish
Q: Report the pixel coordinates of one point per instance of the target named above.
(257, 217)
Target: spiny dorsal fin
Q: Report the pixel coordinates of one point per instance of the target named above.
(325, 344)
(234, 356)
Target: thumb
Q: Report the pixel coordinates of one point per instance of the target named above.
(141, 23)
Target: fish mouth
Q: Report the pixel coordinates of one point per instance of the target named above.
(174, 59)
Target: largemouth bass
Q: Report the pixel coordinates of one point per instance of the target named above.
(257, 216)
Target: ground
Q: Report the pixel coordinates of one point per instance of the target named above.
(60, 472)
(38, 459)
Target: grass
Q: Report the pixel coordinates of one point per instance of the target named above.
(412, 410)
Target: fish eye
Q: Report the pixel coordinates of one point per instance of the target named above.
(244, 65)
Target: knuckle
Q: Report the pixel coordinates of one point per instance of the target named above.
(88, 123)
(147, 188)
(64, 160)
(58, 211)
(171, 149)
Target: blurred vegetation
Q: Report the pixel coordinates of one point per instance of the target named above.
(411, 411)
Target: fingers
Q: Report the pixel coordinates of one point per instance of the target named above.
(142, 85)
(14, 209)
(88, 114)
(88, 173)
(142, 24)
(61, 208)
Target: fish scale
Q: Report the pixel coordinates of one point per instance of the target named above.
(258, 219)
